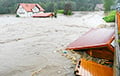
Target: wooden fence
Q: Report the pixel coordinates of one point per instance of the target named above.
(117, 48)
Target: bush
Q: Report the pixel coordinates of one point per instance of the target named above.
(69, 13)
(17, 16)
(110, 17)
(60, 11)
(55, 13)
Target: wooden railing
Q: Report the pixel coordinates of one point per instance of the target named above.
(117, 48)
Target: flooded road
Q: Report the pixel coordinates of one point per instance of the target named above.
(29, 46)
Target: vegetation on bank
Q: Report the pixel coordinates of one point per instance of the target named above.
(10, 6)
(108, 4)
(60, 11)
(110, 17)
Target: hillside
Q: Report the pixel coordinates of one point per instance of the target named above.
(9, 6)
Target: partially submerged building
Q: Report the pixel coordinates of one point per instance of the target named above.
(28, 9)
(90, 68)
(99, 7)
(97, 43)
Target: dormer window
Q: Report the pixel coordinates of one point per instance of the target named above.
(35, 9)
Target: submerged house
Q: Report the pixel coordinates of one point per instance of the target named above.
(99, 7)
(28, 9)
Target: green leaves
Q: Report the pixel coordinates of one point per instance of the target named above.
(110, 17)
(108, 4)
(7, 6)
(60, 11)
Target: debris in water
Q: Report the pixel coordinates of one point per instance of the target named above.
(36, 72)
(65, 52)
(59, 72)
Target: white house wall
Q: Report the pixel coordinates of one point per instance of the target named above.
(21, 12)
(29, 14)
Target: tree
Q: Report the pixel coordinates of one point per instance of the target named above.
(9, 6)
(108, 4)
(68, 9)
(118, 1)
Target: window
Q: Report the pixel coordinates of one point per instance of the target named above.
(35, 9)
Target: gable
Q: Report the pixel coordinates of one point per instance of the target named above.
(31, 7)
(21, 10)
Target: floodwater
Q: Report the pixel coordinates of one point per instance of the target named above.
(29, 46)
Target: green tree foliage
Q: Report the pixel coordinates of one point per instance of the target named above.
(68, 9)
(108, 4)
(110, 17)
(118, 1)
(9, 6)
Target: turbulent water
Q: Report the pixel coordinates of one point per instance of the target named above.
(28, 46)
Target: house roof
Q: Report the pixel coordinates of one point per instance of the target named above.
(93, 39)
(43, 15)
(28, 7)
(100, 6)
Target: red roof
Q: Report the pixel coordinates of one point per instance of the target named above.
(43, 15)
(28, 7)
(93, 39)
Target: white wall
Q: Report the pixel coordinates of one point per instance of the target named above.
(29, 14)
(21, 12)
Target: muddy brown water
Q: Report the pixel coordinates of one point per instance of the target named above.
(28, 46)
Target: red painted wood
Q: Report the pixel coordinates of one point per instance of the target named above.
(43, 15)
(93, 39)
(90, 68)
(103, 53)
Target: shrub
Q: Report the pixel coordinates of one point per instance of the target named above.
(60, 11)
(110, 17)
(17, 16)
(69, 13)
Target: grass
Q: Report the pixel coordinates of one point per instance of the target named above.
(60, 11)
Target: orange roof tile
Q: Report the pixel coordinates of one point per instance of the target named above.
(43, 15)
(28, 7)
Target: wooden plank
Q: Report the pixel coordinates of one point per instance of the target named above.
(90, 68)
(117, 49)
